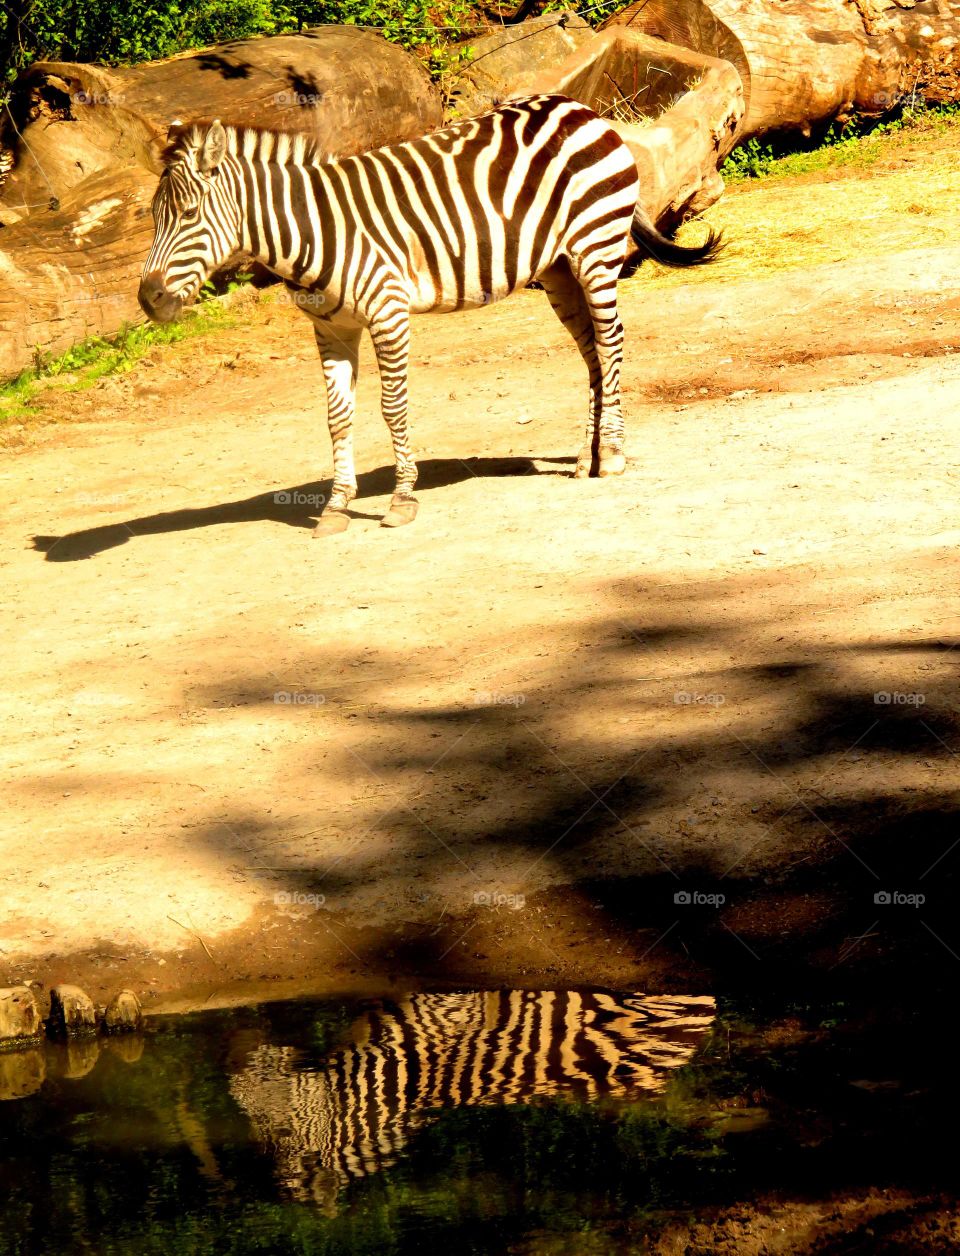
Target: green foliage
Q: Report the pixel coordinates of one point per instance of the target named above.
(427, 27)
(112, 32)
(213, 288)
(855, 143)
(89, 361)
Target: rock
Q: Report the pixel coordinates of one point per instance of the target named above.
(22, 1073)
(20, 1018)
(71, 1012)
(124, 1014)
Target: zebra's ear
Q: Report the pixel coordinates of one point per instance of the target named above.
(212, 149)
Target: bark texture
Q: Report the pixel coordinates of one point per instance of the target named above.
(806, 62)
(75, 208)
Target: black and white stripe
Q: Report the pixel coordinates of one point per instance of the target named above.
(540, 188)
(353, 1114)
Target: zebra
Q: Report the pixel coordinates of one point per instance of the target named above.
(539, 189)
(352, 1114)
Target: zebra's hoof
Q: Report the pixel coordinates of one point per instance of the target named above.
(586, 463)
(402, 510)
(331, 522)
(612, 461)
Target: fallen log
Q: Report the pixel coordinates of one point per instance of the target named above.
(804, 63)
(75, 208)
(678, 112)
(502, 62)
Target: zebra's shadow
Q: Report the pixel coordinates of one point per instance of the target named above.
(298, 506)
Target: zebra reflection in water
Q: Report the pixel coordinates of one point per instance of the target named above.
(353, 1114)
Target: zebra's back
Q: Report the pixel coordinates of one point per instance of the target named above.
(471, 213)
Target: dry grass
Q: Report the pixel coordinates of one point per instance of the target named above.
(627, 109)
(907, 198)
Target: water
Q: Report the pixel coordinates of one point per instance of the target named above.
(535, 1122)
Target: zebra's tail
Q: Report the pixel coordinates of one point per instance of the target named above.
(654, 244)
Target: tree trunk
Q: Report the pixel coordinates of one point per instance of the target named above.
(75, 209)
(807, 62)
(677, 110)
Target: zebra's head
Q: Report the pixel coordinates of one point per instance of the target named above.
(196, 220)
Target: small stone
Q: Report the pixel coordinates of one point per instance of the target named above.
(124, 1014)
(20, 1018)
(71, 1012)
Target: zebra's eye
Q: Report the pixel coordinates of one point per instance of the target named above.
(190, 215)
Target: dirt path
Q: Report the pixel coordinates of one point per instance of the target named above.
(496, 745)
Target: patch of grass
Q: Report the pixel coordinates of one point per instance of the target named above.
(856, 143)
(908, 198)
(92, 359)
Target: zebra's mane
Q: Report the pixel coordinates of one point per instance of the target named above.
(287, 148)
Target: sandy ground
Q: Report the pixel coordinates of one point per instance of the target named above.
(501, 744)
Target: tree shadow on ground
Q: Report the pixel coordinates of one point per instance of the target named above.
(791, 819)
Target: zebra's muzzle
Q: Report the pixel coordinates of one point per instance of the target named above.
(156, 302)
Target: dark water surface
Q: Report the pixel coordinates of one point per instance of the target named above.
(533, 1122)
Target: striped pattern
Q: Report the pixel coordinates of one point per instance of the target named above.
(353, 1115)
(540, 188)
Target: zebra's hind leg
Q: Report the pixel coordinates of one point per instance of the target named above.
(390, 333)
(599, 285)
(339, 345)
(568, 302)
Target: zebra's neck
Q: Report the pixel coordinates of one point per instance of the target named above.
(282, 194)
(282, 148)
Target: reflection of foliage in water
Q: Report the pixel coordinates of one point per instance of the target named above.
(156, 1158)
(474, 1178)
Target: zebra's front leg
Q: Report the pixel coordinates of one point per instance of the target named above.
(391, 342)
(339, 345)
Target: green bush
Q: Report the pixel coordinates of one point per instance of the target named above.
(111, 31)
(853, 143)
(114, 32)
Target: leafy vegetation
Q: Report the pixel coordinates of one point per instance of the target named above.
(112, 32)
(855, 143)
(98, 356)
